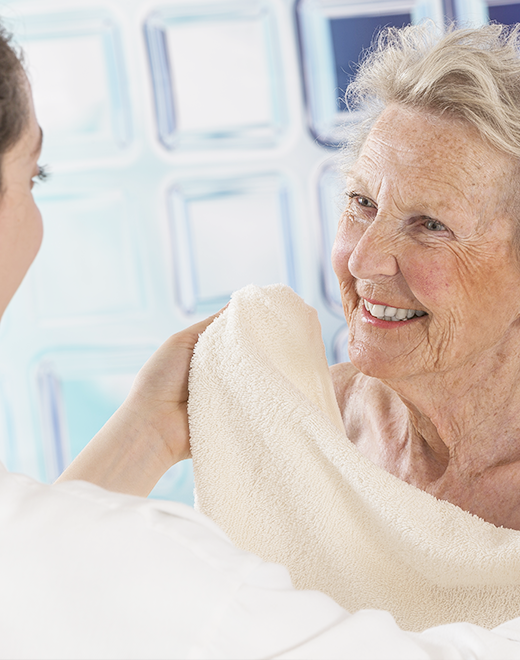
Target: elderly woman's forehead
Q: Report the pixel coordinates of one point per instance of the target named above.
(409, 130)
(419, 139)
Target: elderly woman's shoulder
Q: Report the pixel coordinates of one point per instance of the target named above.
(343, 376)
(346, 379)
(355, 390)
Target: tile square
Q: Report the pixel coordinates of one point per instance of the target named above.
(89, 263)
(227, 234)
(77, 72)
(216, 75)
(332, 35)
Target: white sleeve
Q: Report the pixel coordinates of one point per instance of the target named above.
(327, 631)
(85, 573)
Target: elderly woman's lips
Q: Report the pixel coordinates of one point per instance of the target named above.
(387, 313)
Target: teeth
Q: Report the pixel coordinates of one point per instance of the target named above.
(388, 313)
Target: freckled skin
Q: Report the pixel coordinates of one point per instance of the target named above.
(435, 401)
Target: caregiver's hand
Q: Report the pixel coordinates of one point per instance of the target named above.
(149, 432)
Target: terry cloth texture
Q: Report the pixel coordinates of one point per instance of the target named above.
(274, 468)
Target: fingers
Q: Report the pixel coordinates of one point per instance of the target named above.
(189, 336)
(202, 325)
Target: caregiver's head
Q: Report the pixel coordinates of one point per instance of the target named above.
(20, 146)
(427, 251)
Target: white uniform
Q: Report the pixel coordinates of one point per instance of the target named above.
(90, 574)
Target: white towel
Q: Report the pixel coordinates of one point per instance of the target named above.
(274, 468)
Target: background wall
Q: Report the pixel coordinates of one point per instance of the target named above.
(191, 145)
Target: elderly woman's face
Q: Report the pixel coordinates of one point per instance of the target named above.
(426, 238)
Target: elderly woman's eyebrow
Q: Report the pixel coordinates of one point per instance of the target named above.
(352, 178)
(358, 185)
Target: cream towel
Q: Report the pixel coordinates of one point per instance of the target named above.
(274, 468)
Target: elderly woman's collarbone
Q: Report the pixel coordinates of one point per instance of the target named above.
(388, 433)
(493, 495)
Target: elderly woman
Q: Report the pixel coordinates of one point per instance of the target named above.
(92, 573)
(427, 259)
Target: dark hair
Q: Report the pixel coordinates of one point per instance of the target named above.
(14, 108)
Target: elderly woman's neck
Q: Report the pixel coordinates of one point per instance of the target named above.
(466, 411)
(463, 439)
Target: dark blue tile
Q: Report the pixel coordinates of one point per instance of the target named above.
(507, 14)
(350, 36)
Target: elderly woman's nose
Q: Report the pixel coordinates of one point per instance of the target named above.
(373, 255)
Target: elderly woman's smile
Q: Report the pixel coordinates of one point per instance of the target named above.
(424, 252)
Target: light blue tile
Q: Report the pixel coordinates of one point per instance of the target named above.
(216, 75)
(76, 67)
(229, 233)
(89, 264)
(471, 12)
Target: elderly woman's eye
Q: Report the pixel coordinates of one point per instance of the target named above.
(361, 200)
(434, 225)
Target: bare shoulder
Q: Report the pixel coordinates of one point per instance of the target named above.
(350, 383)
(368, 407)
(344, 379)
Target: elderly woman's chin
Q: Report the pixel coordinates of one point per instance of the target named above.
(396, 353)
(379, 358)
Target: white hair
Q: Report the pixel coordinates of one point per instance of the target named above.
(470, 74)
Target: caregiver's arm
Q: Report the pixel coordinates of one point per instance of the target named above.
(149, 432)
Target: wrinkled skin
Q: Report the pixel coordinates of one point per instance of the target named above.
(430, 226)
